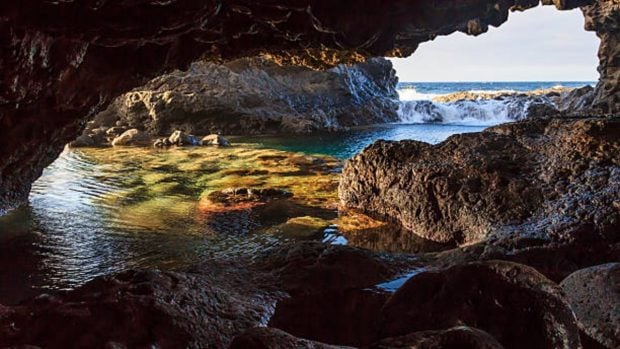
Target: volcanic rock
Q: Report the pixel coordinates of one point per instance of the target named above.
(452, 338)
(135, 309)
(257, 96)
(214, 140)
(535, 180)
(272, 338)
(512, 302)
(594, 295)
(132, 137)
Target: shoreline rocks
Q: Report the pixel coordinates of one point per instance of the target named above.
(254, 95)
(553, 180)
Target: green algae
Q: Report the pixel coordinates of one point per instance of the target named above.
(160, 187)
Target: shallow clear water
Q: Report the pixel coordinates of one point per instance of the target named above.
(99, 211)
(344, 145)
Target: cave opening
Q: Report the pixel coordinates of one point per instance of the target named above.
(279, 203)
(99, 209)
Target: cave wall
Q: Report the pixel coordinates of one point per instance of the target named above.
(62, 61)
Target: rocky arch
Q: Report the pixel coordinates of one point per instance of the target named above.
(61, 61)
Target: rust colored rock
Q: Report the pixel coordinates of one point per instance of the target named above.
(512, 302)
(594, 295)
(545, 180)
(461, 337)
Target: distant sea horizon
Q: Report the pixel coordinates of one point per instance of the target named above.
(419, 90)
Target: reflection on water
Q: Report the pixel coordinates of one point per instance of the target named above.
(99, 211)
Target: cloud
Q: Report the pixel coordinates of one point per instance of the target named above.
(541, 44)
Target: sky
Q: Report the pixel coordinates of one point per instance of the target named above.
(540, 44)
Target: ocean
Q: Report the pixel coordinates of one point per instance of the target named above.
(418, 101)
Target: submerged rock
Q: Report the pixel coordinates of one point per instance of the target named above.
(594, 295)
(301, 227)
(514, 303)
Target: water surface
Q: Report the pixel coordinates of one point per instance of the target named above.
(100, 211)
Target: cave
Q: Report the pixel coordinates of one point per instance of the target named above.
(496, 238)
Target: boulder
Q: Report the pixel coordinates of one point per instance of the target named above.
(594, 295)
(214, 140)
(344, 317)
(181, 138)
(132, 137)
(513, 303)
(552, 180)
(313, 267)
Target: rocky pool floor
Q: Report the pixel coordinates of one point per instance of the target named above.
(97, 211)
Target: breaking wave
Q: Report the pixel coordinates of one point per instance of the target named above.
(485, 108)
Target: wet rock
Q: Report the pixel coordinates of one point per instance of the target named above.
(132, 137)
(348, 317)
(180, 138)
(162, 143)
(271, 338)
(512, 302)
(534, 180)
(594, 295)
(577, 100)
(115, 131)
(214, 140)
(453, 338)
(82, 141)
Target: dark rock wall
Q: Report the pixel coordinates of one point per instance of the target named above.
(62, 61)
(255, 95)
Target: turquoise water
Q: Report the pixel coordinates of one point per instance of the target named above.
(344, 145)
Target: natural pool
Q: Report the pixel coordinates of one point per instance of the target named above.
(96, 211)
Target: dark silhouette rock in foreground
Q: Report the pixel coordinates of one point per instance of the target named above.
(594, 294)
(460, 337)
(272, 338)
(514, 303)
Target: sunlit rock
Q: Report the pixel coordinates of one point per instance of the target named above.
(132, 137)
